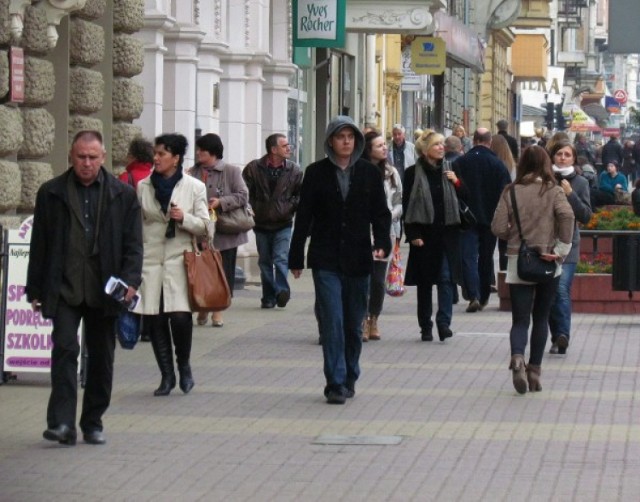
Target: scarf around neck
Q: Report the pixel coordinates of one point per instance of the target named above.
(420, 207)
(164, 187)
(564, 171)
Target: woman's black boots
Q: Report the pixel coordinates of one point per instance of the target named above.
(161, 343)
(186, 378)
(182, 331)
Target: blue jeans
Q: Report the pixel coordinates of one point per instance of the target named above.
(341, 305)
(445, 300)
(477, 246)
(273, 256)
(560, 317)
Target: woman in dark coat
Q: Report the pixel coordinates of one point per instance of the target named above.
(432, 222)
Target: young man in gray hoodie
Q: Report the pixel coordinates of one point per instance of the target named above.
(342, 203)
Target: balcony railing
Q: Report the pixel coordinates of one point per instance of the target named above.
(571, 8)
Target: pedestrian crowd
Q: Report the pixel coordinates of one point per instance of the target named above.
(452, 199)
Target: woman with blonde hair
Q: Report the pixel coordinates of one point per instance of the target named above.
(432, 221)
(464, 139)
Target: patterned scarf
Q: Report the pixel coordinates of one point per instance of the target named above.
(420, 208)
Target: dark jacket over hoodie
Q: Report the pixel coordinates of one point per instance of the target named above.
(119, 240)
(340, 229)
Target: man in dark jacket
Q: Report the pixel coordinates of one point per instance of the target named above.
(341, 203)
(485, 176)
(502, 126)
(274, 184)
(87, 227)
(612, 151)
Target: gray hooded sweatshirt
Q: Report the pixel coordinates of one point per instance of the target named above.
(334, 127)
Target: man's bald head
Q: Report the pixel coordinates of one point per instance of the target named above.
(482, 136)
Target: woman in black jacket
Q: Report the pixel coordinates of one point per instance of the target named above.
(432, 221)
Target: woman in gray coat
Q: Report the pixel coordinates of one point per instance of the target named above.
(226, 190)
(174, 209)
(576, 188)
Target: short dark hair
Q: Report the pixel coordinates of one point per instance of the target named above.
(211, 143)
(272, 141)
(175, 143)
(502, 125)
(141, 150)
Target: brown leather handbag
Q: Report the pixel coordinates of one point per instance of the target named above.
(208, 287)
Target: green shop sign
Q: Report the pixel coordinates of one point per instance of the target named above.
(319, 23)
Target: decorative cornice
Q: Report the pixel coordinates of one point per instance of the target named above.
(247, 23)
(217, 18)
(289, 31)
(16, 13)
(55, 10)
(378, 16)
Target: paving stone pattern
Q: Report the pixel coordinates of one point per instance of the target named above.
(247, 430)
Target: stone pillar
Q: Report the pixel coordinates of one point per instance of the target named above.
(180, 83)
(208, 99)
(370, 81)
(276, 97)
(128, 61)
(233, 84)
(152, 36)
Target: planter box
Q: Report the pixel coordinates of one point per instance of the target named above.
(590, 294)
(605, 245)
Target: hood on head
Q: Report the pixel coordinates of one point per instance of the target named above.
(338, 123)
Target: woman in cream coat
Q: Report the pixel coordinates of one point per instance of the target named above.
(174, 209)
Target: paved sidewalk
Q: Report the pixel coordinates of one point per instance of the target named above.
(255, 425)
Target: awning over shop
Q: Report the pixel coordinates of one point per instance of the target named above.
(532, 111)
(597, 112)
(580, 121)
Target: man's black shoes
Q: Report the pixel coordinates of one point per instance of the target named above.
(336, 397)
(94, 437)
(63, 434)
(282, 298)
(444, 332)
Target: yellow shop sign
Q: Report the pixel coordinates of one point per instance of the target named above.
(428, 55)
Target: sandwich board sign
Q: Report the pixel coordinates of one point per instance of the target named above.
(26, 334)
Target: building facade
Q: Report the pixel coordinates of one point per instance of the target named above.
(74, 61)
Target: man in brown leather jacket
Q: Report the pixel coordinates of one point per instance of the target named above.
(274, 191)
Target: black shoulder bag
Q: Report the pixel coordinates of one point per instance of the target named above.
(531, 267)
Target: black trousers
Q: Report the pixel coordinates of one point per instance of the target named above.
(531, 304)
(229, 257)
(100, 342)
(376, 287)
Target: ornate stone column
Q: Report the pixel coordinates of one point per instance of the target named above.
(156, 24)
(180, 81)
